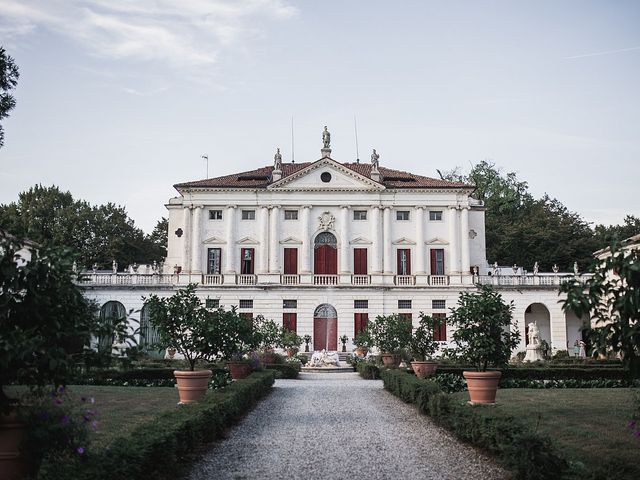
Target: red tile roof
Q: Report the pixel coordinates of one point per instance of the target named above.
(261, 178)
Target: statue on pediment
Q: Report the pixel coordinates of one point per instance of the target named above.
(374, 159)
(277, 164)
(326, 138)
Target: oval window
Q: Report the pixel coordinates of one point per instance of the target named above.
(325, 177)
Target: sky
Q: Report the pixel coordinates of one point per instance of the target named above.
(118, 99)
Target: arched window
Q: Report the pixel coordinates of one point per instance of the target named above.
(111, 313)
(325, 255)
(148, 333)
(325, 238)
(325, 311)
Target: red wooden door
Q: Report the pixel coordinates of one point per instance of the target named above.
(437, 261)
(325, 334)
(404, 261)
(360, 261)
(360, 321)
(325, 260)
(290, 321)
(440, 332)
(290, 261)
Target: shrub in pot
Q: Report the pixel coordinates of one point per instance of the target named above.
(390, 333)
(362, 341)
(423, 346)
(239, 338)
(291, 342)
(267, 336)
(45, 323)
(485, 334)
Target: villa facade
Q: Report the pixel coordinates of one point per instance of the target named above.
(325, 246)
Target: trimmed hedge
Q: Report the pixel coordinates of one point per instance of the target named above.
(368, 371)
(553, 373)
(284, 370)
(158, 449)
(528, 454)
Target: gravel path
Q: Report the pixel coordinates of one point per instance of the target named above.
(338, 426)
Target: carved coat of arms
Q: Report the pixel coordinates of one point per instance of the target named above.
(326, 221)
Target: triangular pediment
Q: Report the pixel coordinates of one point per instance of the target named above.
(248, 241)
(291, 241)
(360, 241)
(437, 241)
(404, 241)
(340, 178)
(214, 241)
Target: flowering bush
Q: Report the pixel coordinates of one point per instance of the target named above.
(58, 426)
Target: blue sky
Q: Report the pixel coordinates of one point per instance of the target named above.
(118, 99)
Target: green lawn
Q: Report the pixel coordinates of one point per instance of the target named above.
(589, 425)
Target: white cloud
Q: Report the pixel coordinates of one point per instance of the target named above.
(188, 33)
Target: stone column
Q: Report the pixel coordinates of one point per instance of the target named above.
(263, 253)
(376, 239)
(231, 254)
(274, 240)
(464, 241)
(386, 241)
(196, 244)
(454, 266)
(305, 254)
(186, 240)
(345, 266)
(420, 266)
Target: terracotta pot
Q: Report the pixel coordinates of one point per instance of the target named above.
(390, 360)
(13, 464)
(361, 351)
(192, 386)
(424, 369)
(482, 386)
(291, 352)
(239, 370)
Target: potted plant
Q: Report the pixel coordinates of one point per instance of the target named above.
(485, 334)
(291, 342)
(423, 346)
(390, 333)
(307, 340)
(45, 323)
(344, 339)
(239, 338)
(268, 334)
(183, 323)
(241, 364)
(362, 341)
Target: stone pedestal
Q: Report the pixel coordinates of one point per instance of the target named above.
(326, 152)
(533, 353)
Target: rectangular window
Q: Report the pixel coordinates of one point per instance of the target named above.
(440, 332)
(435, 215)
(214, 257)
(247, 261)
(404, 261)
(360, 261)
(359, 214)
(246, 303)
(437, 261)
(290, 261)
(402, 215)
(291, 214)
(360, 321)
(438, 304)
(215, 214)
(404, 304)
(290, 304)
(290, 321)
(361, 304)
(248, 214)
(212, 303)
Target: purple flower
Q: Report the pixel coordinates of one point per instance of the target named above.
(632, 424)
(637, 433)
(65, 420)
(94, 425)
(80, 450)
(61, 389)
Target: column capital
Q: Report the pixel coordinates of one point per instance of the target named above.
(232, 206)
(387, 207)
(452, 207)
(420, 207)
(199, 206)
(265, 207)
(465, 207)
(307, 207)
(275, 207)
(345, 206)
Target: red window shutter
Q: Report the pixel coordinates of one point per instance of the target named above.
(408, 252)
(360, 321)
(360, 261)
(440, 332)
(290, 261)
(399, 262)
(290, 321)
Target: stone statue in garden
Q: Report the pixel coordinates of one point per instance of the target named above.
(533, 346)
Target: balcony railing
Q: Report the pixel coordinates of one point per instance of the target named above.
(528, 280)
(246, 279)
(438, 280)
(289, 279)
(212, 279)
(360, 279)
(325, 279)
(404, 280)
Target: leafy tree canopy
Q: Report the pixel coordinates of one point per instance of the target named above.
(99, 234)
(9, 75)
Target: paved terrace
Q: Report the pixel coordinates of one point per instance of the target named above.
(338, 426)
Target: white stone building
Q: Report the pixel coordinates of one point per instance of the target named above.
(324, 246)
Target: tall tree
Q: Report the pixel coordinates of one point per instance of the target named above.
(606, 235)
(160, 235)
(9, 75)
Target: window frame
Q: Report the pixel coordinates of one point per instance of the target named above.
(248, 303)
(437, 213)
(209, 264)
(215, 212)
(359, 213)
(250, 213)
(408, 215)
(401, 307)
(291, 211)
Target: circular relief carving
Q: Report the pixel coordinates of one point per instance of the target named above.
(325, 177)
(179, 232)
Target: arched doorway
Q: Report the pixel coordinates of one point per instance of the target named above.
(149, 335)
(325, 328)
(537, 312)
(574, 326)
(325, 254)
(111, 313)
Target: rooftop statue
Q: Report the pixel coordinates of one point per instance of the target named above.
(374, 159)
(326, 138)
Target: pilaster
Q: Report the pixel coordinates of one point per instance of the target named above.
(230, 264)
(196, 244)
(344, 241)
(386, 240)
(305, 254)
(274, 239)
